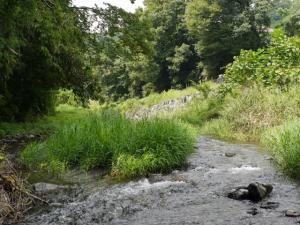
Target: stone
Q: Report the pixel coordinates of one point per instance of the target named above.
(254, 192)
(230, 154)
(292, 213)
(258, 191)
(240, 193)
(253, 211)
(269, 205)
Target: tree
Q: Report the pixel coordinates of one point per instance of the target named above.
(42, 48)
(175, 53)
(123, 57)
(291, 23)
(224, 27)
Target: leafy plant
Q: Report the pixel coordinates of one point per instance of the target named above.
(278, 64)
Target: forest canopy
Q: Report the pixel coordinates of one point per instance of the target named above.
(108, 54)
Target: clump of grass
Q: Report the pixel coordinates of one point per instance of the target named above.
(284, 143)
(109, 140)
(201, 110)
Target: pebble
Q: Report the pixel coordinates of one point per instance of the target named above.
(230, 154)
(292, 213)
(269, 205)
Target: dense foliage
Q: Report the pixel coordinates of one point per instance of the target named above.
(122, 54)
(223, 28)
(291, 22)
(175, 51)
(110, 55)
(279, 64)
(41, 49)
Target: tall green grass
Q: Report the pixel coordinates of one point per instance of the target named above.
(284, 144)
(47, 124)
(245, 114)
(108, 140)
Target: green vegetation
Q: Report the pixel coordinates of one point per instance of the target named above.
(133, 105)
(108, 140)
(284, 143)
(46, 125)
(87, 61)
(278, 64)
(223, 28)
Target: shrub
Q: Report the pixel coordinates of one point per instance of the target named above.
(276, 65)
(109, 140)
(284, 143)
(66, 97)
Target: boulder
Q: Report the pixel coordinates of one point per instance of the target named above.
(254, 192)
(258, 191)
(240, 193)
(292, 213)
(230, 154)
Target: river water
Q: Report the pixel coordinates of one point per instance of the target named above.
(195, 195)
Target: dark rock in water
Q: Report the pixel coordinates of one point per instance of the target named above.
(269, 205)
(254, 192)
(292, 213)
(230, 154)
(253, 211)
(240, 193)
(258, 191)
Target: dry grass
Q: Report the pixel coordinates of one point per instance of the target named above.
(16, 199)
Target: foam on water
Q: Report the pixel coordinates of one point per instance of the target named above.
(142, 185)
(242, 169)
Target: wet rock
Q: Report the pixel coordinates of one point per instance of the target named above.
(258, 191)
(292, 213)
(269, 205)
(253, 211)
(240, 193)
(46, 188)
(230, 154)
(254, 192)
(153, 178)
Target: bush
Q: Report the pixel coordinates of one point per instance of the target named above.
(109, 140)
(66, 97)
(276, 65)
(284, 143)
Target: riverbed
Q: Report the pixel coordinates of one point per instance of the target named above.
(196, 194)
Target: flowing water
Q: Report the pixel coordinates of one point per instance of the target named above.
(196, 195)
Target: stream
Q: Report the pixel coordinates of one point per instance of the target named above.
(195, 195)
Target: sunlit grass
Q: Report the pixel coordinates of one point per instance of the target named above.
(108, 140)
